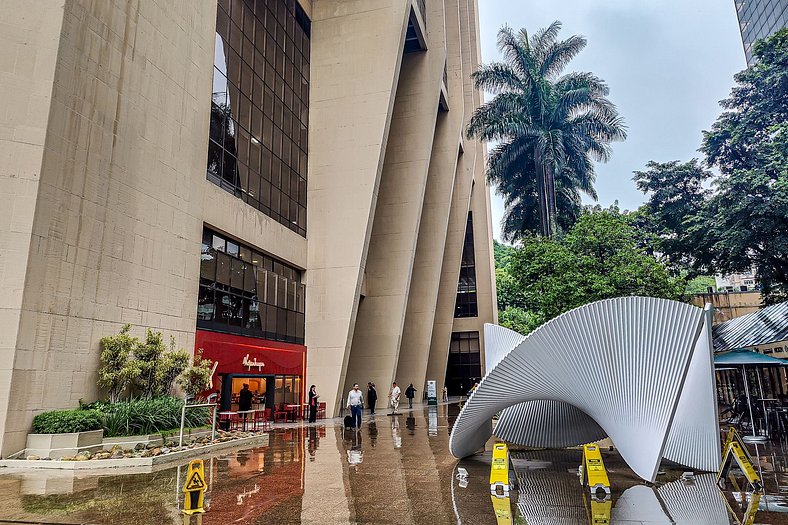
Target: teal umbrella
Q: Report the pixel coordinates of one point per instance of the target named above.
(744, 358)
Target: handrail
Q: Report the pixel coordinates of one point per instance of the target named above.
(201, 405)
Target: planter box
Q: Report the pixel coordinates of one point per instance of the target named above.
(58, 445)
(151, 439)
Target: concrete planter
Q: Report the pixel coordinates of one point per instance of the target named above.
(58, 445)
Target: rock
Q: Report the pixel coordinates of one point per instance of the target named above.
(118, 454)
(82, 457)
(155, 452)
(103, 455)
(68, 458)
(151, 446)
(139, 446)
(165, 450)
(33, 457)
(116, 448)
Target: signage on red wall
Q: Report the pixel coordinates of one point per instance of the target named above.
(244, 355)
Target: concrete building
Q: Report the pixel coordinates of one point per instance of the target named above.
(759, 19)
(341, 232)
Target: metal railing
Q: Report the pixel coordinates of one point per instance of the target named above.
(213, 419)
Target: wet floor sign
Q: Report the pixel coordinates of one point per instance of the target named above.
(499, 470)
(598, 510)
(499, 484)
(194, 488)
(734, 450)
(592, 469)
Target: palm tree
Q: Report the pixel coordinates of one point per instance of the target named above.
(549, 129)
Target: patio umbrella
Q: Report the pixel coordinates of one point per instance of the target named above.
(745, 358)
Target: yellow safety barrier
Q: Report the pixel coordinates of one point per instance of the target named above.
(599, 510)
(735, 450)
(499, 470)
(194, 488)
(592, 470)
(503, 509)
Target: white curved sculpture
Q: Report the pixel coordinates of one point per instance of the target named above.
(636, 369)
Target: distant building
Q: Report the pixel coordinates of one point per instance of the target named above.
(729, 305)
(736, 282)
(759, 19)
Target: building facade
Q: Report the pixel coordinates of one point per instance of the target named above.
(284, 184)
(759, 19)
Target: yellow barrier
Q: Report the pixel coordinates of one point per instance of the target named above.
(499, 470)
(194, 488)
(503, 509)
(593, 470)
(735, 450)
(599, 510)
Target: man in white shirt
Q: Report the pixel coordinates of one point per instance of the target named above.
(355, 402)
(394, 396)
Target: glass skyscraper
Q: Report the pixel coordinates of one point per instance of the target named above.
(759, 19)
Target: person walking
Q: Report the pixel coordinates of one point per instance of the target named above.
(410, 393)
(313, 403)
(394, 397)
(355, 402)
(372, 396)
(445, 393)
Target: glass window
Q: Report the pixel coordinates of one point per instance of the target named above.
(261, 82)
(244, 291)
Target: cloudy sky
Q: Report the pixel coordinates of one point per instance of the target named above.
(667, 62)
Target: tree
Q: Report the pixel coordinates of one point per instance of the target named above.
(742, 223)
(117, 369)
(197, 377)
(171, 364)
(549, 129)
(599, 258)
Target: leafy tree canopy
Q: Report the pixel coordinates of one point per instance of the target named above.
(599, 258)
(742, 222)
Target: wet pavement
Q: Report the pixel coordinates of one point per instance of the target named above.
(395, 470)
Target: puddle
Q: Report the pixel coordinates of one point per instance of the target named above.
(395, 470)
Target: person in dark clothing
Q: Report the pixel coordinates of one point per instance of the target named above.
(410, 393)
(313, 403)
(372, 397)
(245, 397)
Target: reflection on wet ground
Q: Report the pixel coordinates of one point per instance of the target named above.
(395, 470)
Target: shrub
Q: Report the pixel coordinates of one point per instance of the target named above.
(66, 421)
(149, 416)
(196, 378)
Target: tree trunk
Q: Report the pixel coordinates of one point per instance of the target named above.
(541, 190)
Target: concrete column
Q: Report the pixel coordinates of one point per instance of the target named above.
(355, 63)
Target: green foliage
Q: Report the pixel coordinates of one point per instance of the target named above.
(196, 378)
(148, 416)
(549, 129)
(503, 254)
(742, 223)
(599, 258)
(700, 285)
(509, 293)
(147, 365)
(519, 320)
(117, 368)
(67, 421)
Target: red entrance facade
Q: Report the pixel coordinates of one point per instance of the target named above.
(248, 357)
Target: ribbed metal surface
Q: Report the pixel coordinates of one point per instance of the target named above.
(547, 423)
(622, 362)
(498, 341)
(696, 413)
(766, 326)
(697, 503)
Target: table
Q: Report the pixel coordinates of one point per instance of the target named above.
(293, 409)
(246, 413)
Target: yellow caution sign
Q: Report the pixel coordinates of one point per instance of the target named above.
(499, 470)
(194, 488)
(735, 450)
(592, 470)
(599, 510)
(752, 509)
(503, 509)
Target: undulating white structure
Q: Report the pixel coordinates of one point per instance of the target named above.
(636, 369)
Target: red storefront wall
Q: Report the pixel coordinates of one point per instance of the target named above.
(230, 351)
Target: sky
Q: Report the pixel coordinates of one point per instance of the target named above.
(668, 64)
